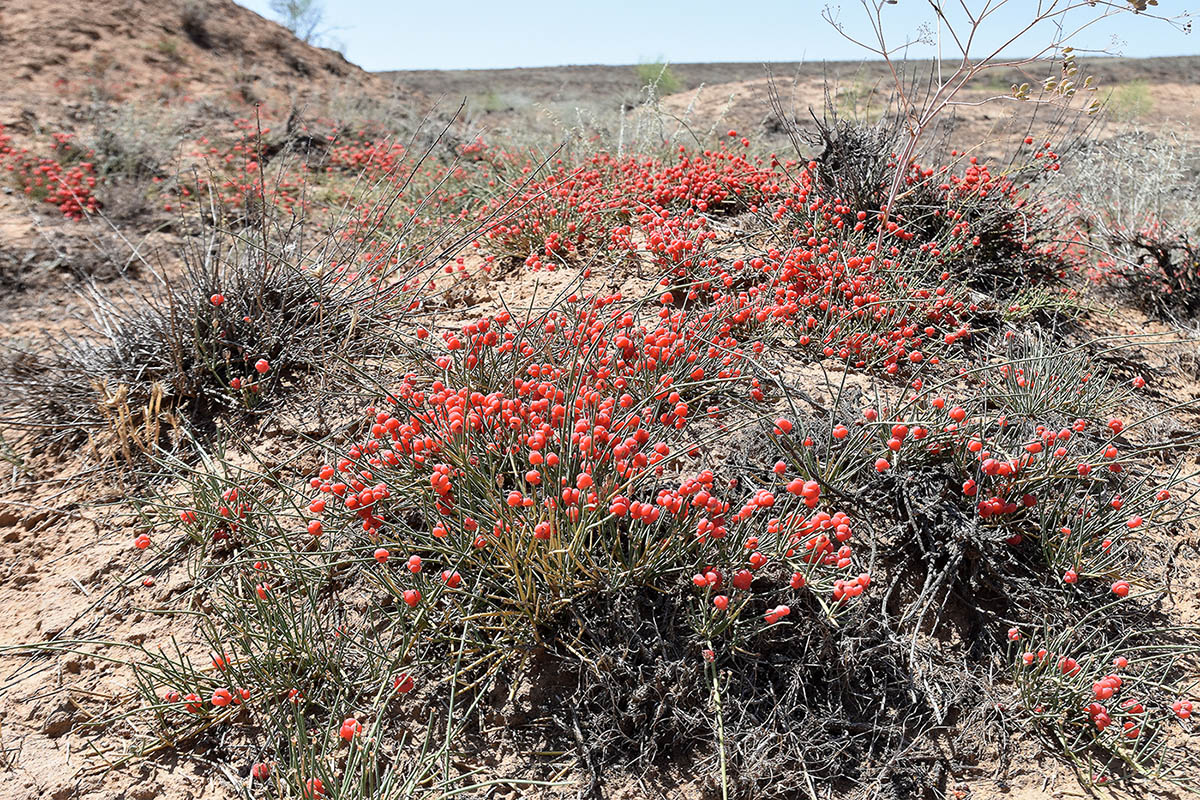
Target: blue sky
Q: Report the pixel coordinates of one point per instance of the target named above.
(468, 34)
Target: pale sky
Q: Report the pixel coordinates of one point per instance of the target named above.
(469, 34)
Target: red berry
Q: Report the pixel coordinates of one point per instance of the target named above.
(350, 728)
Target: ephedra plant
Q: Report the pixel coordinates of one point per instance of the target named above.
(772, 483)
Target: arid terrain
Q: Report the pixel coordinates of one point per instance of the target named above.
(599, 84)
(1142, 92)
(689, 467)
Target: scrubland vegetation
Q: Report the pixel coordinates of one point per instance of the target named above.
(648, 458)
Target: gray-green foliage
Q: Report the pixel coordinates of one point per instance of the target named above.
(301, 17)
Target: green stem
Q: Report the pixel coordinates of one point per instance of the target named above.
(716, 694)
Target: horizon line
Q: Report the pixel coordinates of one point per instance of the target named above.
(668, 62)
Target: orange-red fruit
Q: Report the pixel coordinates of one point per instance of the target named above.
(350, 728)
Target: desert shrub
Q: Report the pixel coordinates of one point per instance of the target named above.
(237, 330)
(131, 144)
(991, 230)
(134, 154)
(494, 102)
(524, 502)
(632, 522)
(1105, 694)
(525, 567)
(301, 17)
(99, 260)
(854, 159)
(1130, 101)
(1161, 270)
(285, 661)
(168, 47)
(1134, 197)
(658, 76)
(1038, 496)
(194, 17)
(64, 177)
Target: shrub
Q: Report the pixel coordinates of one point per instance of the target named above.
(301, 17)
(763, 485)
(657, 76)
(165, 366)
(1129, 101)
(1108, 697)
(169, 48)
(66, 178)
(524, 502)
(992, 229)
(1134, 198)
(133, 154)
(194, 16)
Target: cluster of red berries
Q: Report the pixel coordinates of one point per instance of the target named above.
(220, 697)
(241, 181)
(840, 292)
(66, 178)
(528, 436)
(221, 521)
(1104, 702)
(829, 283)
(1021, 477)
(547, 409)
